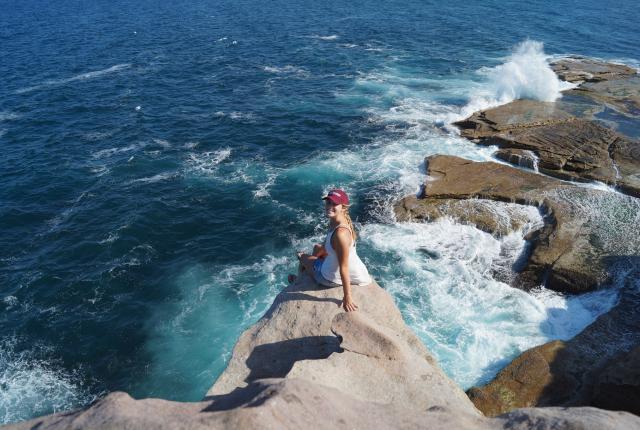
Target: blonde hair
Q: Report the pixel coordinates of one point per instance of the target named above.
(349, 222)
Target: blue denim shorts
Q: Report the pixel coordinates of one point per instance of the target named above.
(317, 275)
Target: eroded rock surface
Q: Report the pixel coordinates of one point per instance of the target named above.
(299, 404)
(615, 85)
(566, 137)
(583, 226)
(582, 69)
(567, 147)
(370, 354)
(497, 218)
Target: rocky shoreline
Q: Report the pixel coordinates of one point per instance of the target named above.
(307, 363)
(577, 249)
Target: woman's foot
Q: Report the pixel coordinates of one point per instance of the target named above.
(291, 278)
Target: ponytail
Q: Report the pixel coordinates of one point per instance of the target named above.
(350, 223)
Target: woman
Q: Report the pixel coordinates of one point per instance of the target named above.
(336, 263)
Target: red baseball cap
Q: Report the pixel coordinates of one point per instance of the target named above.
(337, 196)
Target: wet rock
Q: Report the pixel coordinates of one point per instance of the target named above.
(581, 69)
(567, 147)
(568, 252)
(615, 85)
(497, 218)
(518, 157)
(567, 138)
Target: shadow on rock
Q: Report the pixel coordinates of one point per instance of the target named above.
(275, 360)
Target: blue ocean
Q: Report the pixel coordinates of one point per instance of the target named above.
(161, 163)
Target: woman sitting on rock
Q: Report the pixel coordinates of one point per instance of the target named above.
(336, 263)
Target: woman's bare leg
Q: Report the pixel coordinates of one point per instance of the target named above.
(307, 261)
(318, 252)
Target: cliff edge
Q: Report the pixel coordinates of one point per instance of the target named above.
(307, 363)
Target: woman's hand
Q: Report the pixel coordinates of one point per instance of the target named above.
(348, 304)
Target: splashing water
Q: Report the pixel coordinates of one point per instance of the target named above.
(32, 386)
(526, 75)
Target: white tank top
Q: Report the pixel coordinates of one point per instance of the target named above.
(331, 267)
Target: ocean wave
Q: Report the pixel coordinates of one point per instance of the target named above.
(97, 135)
(109, 152)
(155, 178)
(80, 77)
(32, 385)
(137, 256)
(236, 115)
(215, 304)
(207, 162)
(8, 116)
(441, 275)
(329, 37)
(263, 188)
(286, 70)
(526, 74)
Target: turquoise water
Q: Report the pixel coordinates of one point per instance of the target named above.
(161, 163)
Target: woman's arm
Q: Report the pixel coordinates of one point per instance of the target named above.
(341, 242)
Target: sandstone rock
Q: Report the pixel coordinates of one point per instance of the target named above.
(569, 251)
(616, 85)
(592, 369)
(371, 354)
(518, 157)
(567, 147)
(567, 136)
(497, 218)
(567, 419)
(582, 69)
(299, 404)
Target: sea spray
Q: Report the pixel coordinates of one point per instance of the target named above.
(32, 385)
(526, 74)
(441, 276)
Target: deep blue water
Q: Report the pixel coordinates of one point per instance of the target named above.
(161, 162)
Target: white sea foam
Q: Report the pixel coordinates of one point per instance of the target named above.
(287, 69)
(526, 74)
(207, 162)
(263, 188)
(165, 144)
(329, 37)
(80, 77)
(441, 275)
(8, 116)
(236, 115)
(155, 178)
(31, 385)
(137, 256)
(109, 152)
